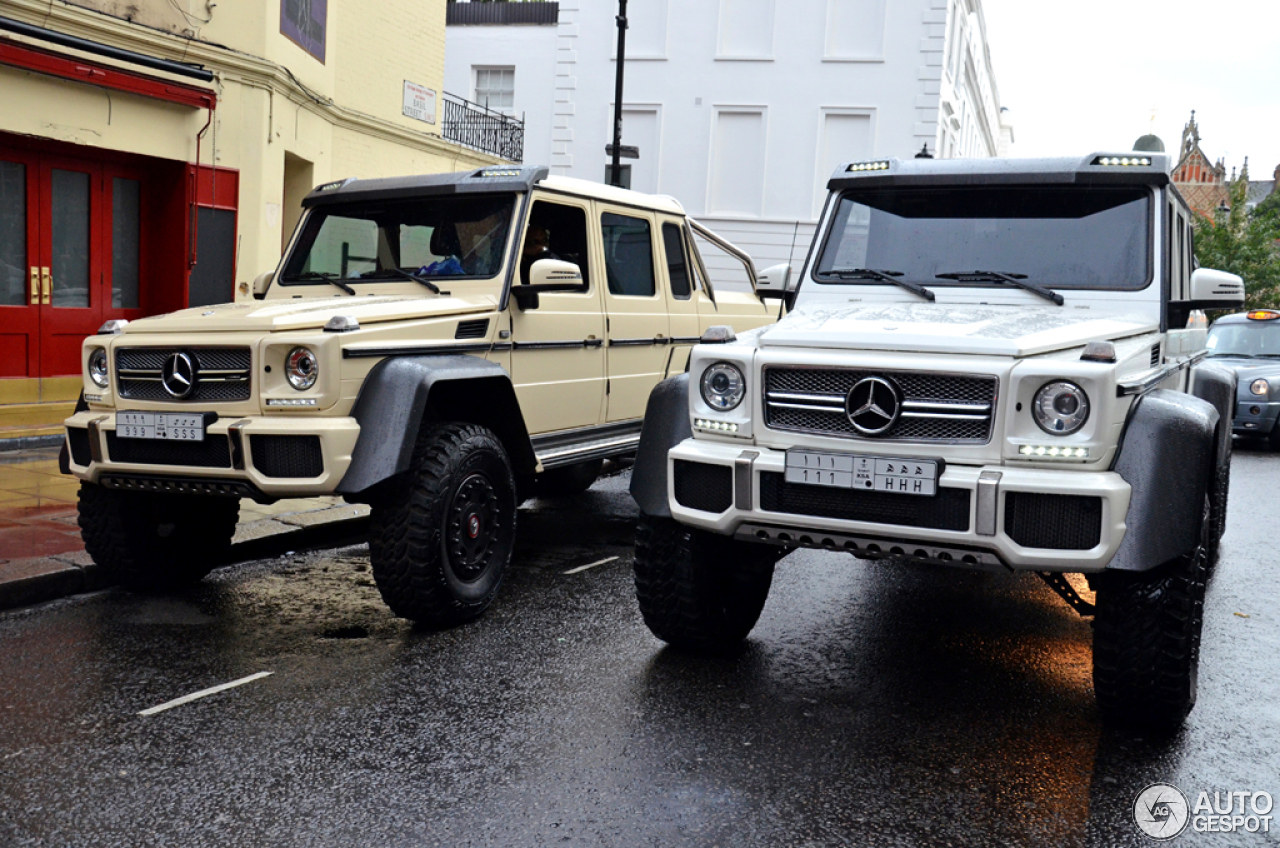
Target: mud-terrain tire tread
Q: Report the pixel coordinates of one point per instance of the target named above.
(122, 533)
(407, 527)
(699, 591)
(1219, 490)
(569, 480)
(1146, 642)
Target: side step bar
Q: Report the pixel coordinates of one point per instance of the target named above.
(568, 447)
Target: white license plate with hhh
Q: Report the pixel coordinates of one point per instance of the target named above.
(173, 426)
(856, 471)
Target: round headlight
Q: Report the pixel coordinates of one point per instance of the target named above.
(723, 386)
(1258, 387)
(98, 367)
(1060, 408)
(301, 368)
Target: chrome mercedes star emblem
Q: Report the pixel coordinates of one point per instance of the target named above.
(178, 376)
(873, 405)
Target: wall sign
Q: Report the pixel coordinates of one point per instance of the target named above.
(419, 102)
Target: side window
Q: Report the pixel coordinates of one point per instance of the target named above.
(677, 262)
(628, 255)
(555, 231)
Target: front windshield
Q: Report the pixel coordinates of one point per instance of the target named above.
(1060, 237)
(1247, 340)
(441, 236)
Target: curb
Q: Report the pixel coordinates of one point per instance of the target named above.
(77, 579)
(19, 443)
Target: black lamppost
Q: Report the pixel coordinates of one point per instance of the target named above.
(615, 171)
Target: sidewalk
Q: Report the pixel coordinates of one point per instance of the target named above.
(42, 556)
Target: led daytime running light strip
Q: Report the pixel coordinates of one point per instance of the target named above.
(1125, 160)
(291, 402)
(1053, 452)
(715, 426)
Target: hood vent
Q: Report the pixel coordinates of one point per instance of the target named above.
(1155, 354)
(477, 329)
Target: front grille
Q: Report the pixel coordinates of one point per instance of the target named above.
(222, 373)
(948, 510)
(78, 438)
(287, 456)
(935, 407)
(1055, 522)
(702, 486)
(213, 452)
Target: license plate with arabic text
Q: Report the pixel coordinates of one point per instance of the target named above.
(857, 471)
(172, 426)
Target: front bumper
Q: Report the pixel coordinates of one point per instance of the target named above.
(241, 455)
(976, 518)
(1255, 417)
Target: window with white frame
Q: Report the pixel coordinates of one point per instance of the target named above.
(496, 88)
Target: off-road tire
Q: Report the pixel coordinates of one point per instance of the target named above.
(569, 480)
(156, 543)
(699, 591)
(1219, 489)
(1146, 641)
(440, 541)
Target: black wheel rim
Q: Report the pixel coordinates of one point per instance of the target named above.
(473, 524)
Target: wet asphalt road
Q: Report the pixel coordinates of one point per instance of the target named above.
(873, 705)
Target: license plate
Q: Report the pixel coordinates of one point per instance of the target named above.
(173, 426)
(857, 471)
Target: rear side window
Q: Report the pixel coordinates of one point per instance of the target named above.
(677, 262)
(628, 255)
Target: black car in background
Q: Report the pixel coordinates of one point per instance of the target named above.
(1249, 344)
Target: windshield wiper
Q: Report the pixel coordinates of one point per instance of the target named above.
(328, 278)
(400, 272)
(880, 276)
(996, 277)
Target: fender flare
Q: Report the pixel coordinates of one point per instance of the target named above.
(1217, 385)
(394, 400)
(1167, 457)
(666, 424)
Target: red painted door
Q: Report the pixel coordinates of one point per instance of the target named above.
(71, 260)
(19, 264)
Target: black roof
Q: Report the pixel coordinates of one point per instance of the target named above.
(1091, 169)
(495, 178)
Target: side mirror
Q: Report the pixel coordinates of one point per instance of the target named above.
(772, 281)
(547, 275)
(261, 283)
(1212, 289)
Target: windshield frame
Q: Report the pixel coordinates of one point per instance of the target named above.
(836, 199)
(514, 216)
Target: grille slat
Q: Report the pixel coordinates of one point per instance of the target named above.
(936, 407)
(222, 374)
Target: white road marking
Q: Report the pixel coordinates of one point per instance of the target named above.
(590, 565)
(186, 699)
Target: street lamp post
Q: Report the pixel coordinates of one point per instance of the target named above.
(615, 175)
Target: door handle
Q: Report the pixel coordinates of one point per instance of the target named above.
(35, 285)
(46, 286)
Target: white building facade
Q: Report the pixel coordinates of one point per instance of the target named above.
(741, 109)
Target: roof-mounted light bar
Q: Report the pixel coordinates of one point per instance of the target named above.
(1123, 161)
(492, 173)
(1263, 315)
(880, 165)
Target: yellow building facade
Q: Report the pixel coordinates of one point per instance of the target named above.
(153, 153)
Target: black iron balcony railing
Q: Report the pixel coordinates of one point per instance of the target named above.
(482, 128)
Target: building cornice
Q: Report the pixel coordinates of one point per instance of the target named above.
(227, 64)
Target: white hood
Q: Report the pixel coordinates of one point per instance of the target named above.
(950, 328)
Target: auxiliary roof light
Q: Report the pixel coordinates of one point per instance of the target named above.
(867, 166)
(499, 172)
(1123, 161)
